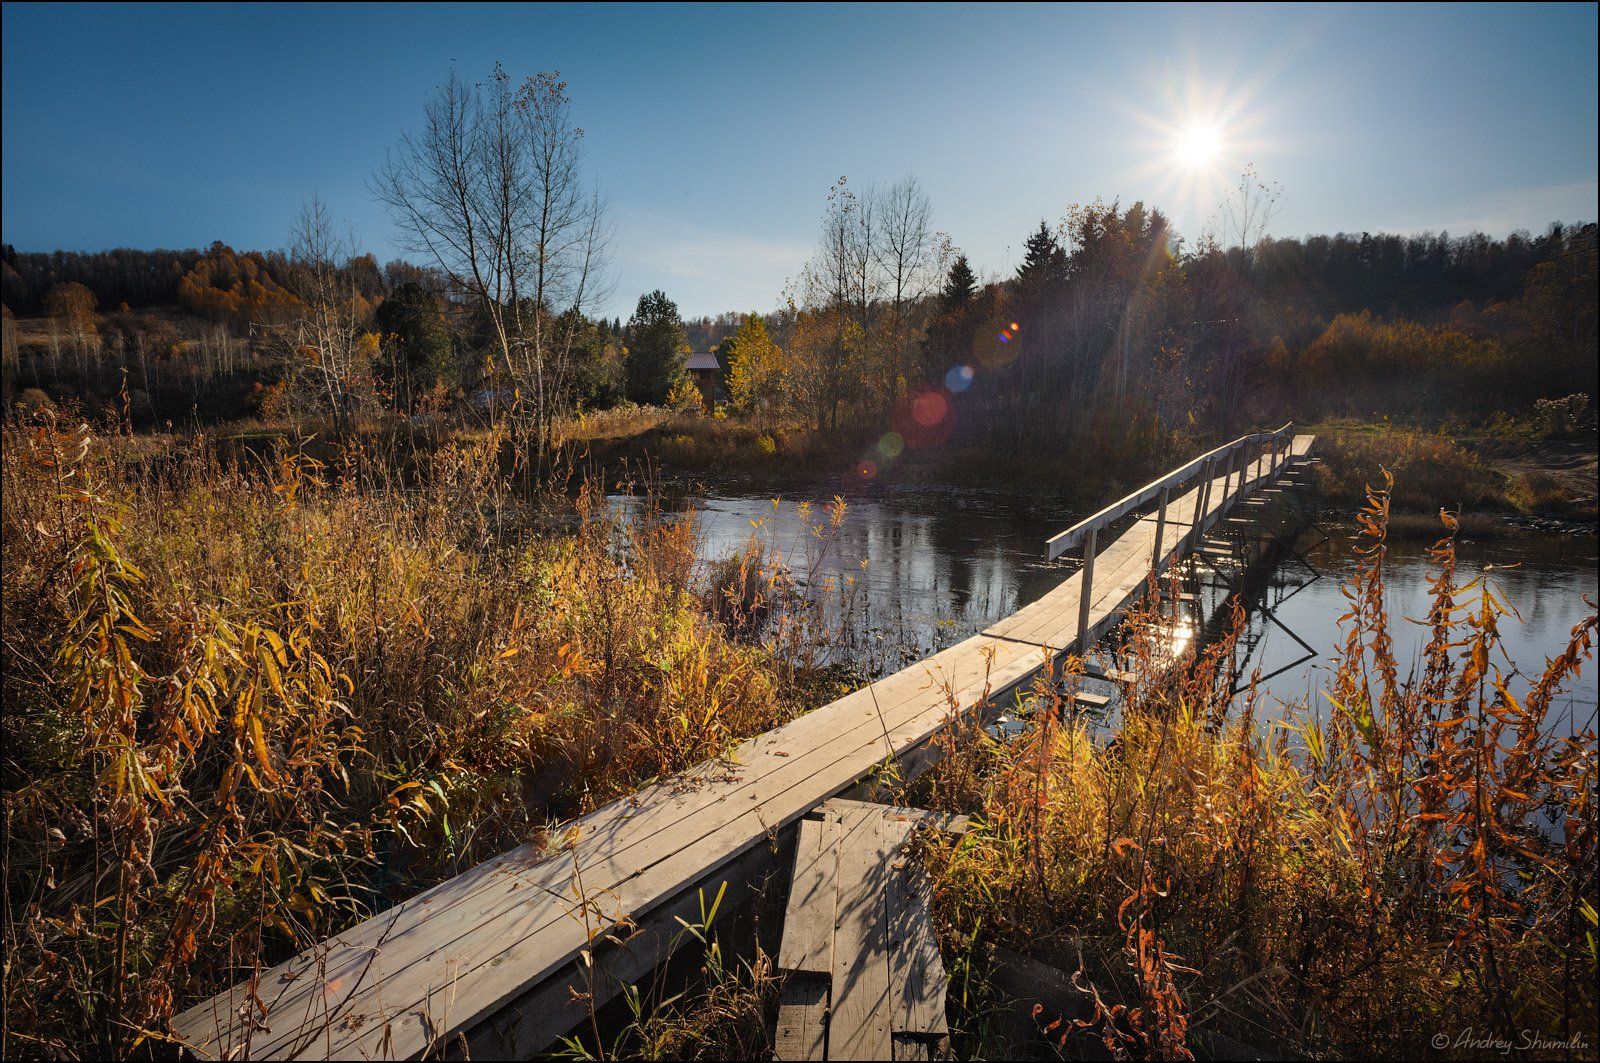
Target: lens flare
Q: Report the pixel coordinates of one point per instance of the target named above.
(958, 379)
(891, 445)
(867, 470)
(929, 408)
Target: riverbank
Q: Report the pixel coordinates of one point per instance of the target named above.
(250, 700)
(1498, 484)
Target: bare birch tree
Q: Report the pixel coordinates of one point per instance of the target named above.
(840, 285)
(491, 188)
(325, 336)
(907, 252)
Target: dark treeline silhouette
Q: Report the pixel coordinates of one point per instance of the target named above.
(1415, 275)
(139, 278)
(1108, 333)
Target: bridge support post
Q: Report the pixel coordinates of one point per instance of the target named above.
(1202, 504)
(1161, 527)
(1086, 593)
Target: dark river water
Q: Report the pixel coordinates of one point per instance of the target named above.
(913, 571)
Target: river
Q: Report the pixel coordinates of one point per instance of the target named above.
(920, 569)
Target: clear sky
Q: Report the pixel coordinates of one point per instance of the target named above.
(717, 130)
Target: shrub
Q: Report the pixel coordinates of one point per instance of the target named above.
(247, 706)
(1432, 469)
(1413, 853)
(33, 402)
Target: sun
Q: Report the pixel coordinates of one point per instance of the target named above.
(1197, 146)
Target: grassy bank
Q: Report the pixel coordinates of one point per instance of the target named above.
(248, 704)
(785, 454)
(1485, 474)
(1482, 476)
(1414, 856)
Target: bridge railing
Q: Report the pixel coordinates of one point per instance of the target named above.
(1233, 460)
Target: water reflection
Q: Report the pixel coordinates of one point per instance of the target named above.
(929, 568)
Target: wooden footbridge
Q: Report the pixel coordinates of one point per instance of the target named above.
(503, 960)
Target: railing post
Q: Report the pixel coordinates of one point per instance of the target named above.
(1085, 593)
(1230, 462)
(1161, 527)
(1203, 503)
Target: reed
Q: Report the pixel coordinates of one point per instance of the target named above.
(1412, 856)
(249, 702)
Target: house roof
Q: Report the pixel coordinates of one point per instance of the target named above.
(704, 360)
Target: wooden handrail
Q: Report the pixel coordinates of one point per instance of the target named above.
(1076, 535)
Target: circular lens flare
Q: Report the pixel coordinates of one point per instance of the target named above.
(929, 408)
(958, 379)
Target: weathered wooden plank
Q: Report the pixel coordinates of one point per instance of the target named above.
(858, 1024)
(802, 1030)
(807, 945)
(805, 955)
(916, 971)
(949, 822)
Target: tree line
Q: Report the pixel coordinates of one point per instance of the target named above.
(1111, 329)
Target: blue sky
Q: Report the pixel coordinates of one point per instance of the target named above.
(717, 130)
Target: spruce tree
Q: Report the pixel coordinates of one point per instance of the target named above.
(959, 286)
(1043, 260)
(656, 345)
(414, 343)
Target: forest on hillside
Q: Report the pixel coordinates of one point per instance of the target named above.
(1114, 331)
(1107, 316)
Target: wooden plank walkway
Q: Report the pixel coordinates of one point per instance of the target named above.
(863, 975)
(485, 960)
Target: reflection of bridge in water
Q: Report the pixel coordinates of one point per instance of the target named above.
(506, 958)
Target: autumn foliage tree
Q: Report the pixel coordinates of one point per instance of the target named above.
(238, 289)
(755, 369)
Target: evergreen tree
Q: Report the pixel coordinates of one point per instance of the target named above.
(657, 342)
(1043, 260)
(959, 286)
(414, 341)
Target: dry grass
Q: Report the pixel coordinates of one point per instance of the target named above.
(1430, 469)
(1416, 855)
(247, 705)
